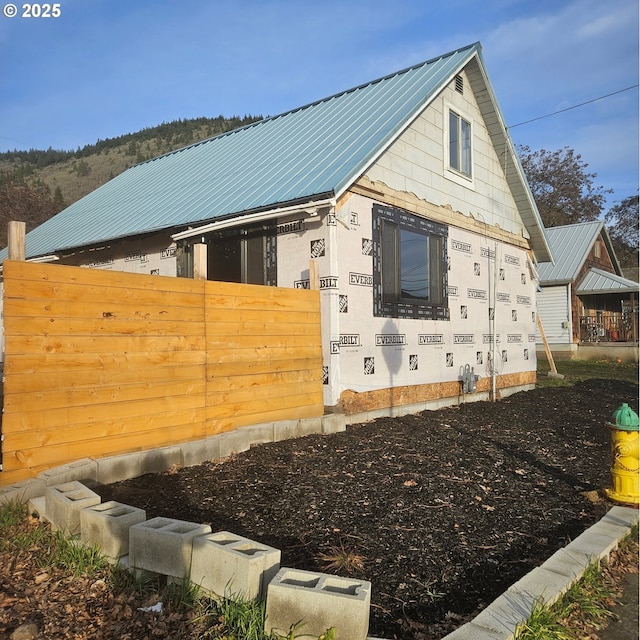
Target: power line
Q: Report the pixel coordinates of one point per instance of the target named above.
(582, 104)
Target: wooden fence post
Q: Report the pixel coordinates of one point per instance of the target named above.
(16, 240)
(200, 261)
(314, 276)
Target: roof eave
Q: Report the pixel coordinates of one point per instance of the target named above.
(612, 252)
(514, 172)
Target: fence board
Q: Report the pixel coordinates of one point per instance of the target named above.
(109, 296)
(251, 367)
(64, 345)
(45, 382)
(54, 455)
(229, 383)
(58, 397)
(141, 429)
(297, 316)
(80, 362)
(66, 274)
(87, 415)
(100, 326)
(219, 425)
(109, 311)
(100, 363)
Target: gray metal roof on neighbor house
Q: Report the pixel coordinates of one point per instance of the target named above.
(570, 245)
(597, 281)
(310, 153)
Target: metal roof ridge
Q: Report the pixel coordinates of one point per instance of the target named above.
(477, 45)
(584, 223)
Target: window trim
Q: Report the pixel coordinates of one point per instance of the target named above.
(398, 306)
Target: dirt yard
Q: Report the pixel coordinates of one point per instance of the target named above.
(441, 511)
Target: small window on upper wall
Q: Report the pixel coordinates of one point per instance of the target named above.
(459, 144)
(597, 251)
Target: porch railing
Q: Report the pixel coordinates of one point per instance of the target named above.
(609, 328)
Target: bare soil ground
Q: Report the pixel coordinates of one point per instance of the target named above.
(441, 511)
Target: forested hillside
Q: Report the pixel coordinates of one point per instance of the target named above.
(36, 184)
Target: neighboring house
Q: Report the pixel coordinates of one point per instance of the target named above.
(585, 300)
(404, 195)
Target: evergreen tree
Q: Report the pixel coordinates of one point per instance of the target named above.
(58, 200)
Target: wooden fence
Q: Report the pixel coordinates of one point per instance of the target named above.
(99, 363)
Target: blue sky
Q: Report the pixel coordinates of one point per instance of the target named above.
(104, 68)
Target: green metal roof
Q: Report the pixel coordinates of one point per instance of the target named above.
(570, 245)
(597, 281)
(313, 152)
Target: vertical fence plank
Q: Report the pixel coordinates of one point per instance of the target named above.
(200, 261)
(16, 240)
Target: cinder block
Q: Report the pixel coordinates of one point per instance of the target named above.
(285, 429)
(593, 545)
(622, 515)
(609, 528)
(472, 631)
(199, 451)
(64, 502)
(505, 613)
(235, 441)
(318, 602)
(117, 468)
(309, 426)
(334, 423)
(163, 545)
(231, 566)
(541, 584)
(566, 564)
(259, 433)
(107, 526)
(37, 508)
(159, 460)
(22, 491)
(84, 470)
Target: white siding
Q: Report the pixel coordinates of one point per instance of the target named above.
(418, 163)
(554, 310)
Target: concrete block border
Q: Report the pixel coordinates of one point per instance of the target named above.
(107, 525)
(163, 546)
(320, 600)
(64, 502)
(228, 565)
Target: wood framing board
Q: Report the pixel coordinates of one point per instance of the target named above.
(444, 215)
(352, 402)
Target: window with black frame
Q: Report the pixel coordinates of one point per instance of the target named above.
(242, 255)
(410, 265)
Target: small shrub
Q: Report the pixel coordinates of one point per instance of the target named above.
(340, 559)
